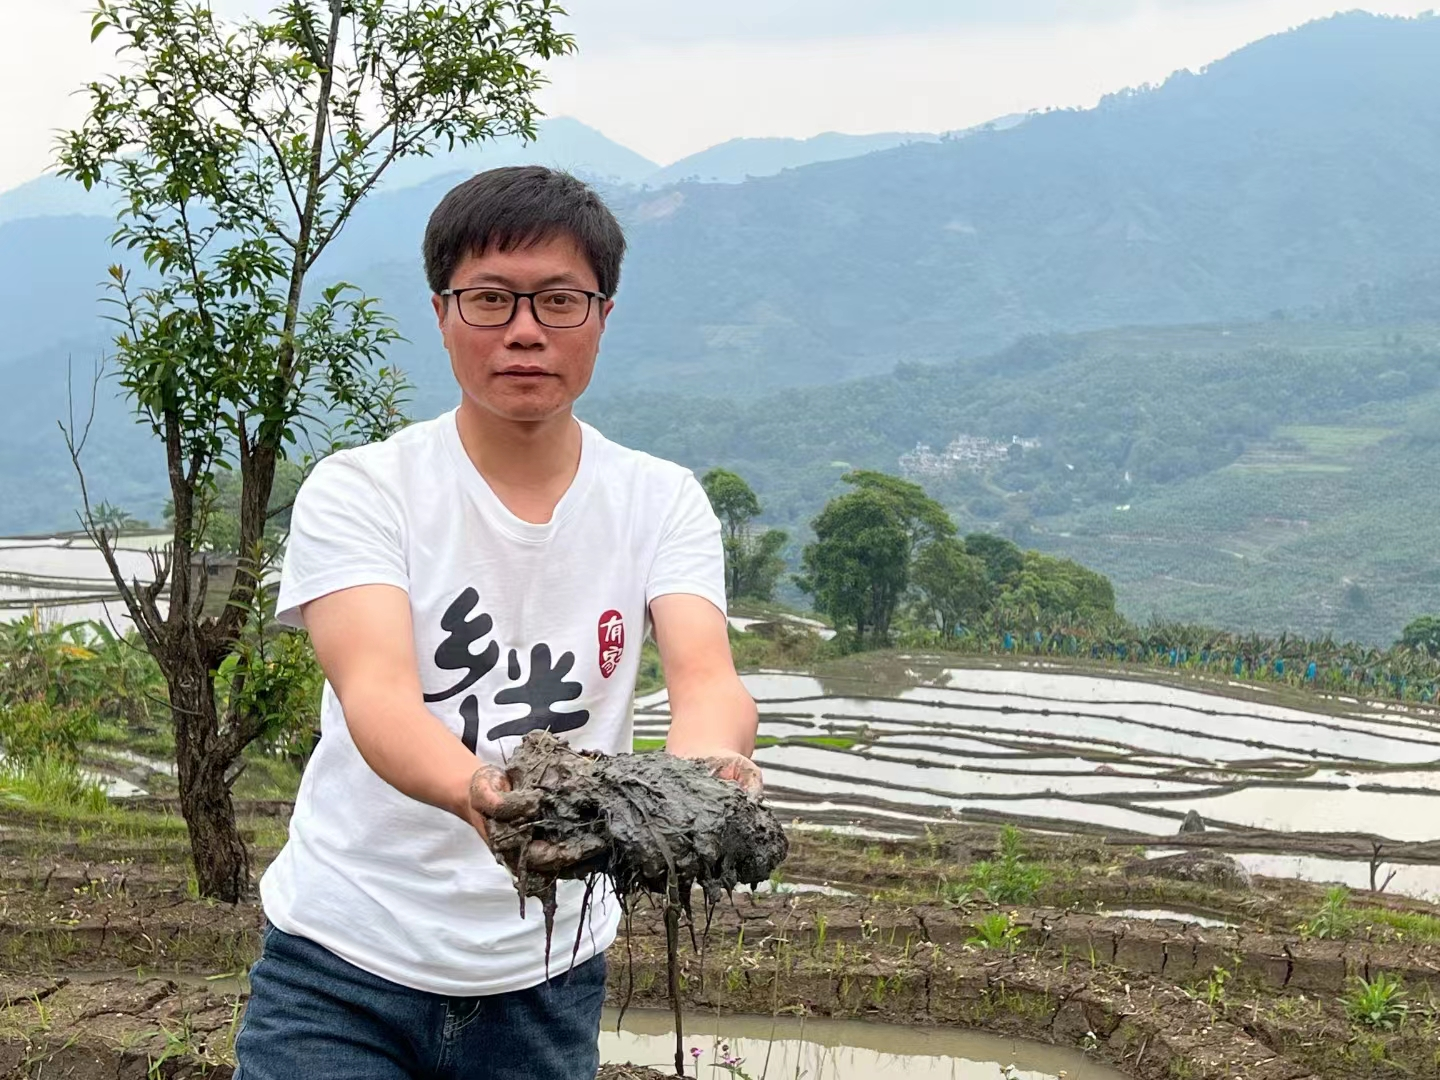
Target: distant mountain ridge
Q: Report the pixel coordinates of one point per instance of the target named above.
(741, 159)
(561, 142)
(744, 159)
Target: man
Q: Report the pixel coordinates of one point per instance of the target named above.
(473, 578)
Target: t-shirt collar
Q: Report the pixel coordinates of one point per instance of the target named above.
(490, 504)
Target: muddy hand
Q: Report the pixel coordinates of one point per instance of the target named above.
(738, 769)
(491, 798)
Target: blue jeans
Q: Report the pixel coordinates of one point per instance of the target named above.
(312, 1016)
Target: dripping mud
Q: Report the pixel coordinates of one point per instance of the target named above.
(655, 826)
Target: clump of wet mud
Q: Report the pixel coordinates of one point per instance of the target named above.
(648, 822)
(655, 825)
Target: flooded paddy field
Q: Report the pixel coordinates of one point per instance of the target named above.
(64, 579)
(1071, 751)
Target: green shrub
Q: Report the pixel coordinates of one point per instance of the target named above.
(36, 729)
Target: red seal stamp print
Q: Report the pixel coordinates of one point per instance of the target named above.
(612, 642)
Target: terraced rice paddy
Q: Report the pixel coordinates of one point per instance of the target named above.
(1070, 752)
(885, 943)
(65, 578)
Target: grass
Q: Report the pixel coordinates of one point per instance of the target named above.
(836, 742)
(52, 784)
(1336, 918)
(1409, 925)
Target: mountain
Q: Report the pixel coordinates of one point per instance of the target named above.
(739, 159)
(50, 196)
(560, 142)
(742, 159)
(1280, 176)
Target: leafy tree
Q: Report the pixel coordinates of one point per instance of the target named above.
(220, 509)
(951, 583)
(1050, 587)
(858, 566)
(760, 565)
(240, 151)
(1423, 635)
(733, 500)
(924, 519)
(1003, 559)
(752, 562)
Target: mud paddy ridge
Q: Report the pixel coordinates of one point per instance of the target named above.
(107, 963)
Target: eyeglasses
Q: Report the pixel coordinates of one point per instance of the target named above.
(559, 309)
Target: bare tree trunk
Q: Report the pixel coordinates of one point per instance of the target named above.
(222, 865)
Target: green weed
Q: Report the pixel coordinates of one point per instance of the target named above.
(1008, 879)
(1334, 918)
(1377, 1003)
(995, 931)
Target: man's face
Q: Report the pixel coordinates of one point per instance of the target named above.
(523, 371)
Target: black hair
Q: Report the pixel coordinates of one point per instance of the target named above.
(512, 207)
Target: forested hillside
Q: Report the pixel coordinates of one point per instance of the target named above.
(1273, 475)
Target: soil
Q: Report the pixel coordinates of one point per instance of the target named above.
(652, 823)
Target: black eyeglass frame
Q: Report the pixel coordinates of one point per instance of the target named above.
(515, 304)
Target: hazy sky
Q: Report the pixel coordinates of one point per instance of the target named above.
(669, 77)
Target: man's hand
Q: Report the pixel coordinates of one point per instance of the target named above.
(739, 769)
(492, 798)
(712, 716)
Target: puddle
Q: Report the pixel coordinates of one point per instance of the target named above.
(1421, 882)
(115, 787)
(155, 765)
(1162, 915)
(840, 1050)
(791, 887)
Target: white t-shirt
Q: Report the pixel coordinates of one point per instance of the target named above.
(517, 626)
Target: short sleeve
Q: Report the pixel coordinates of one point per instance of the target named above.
(343, 533)
(690, 558)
